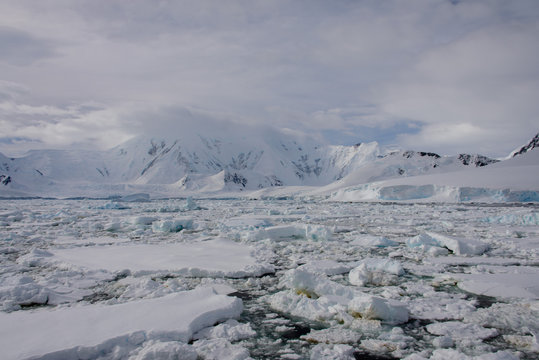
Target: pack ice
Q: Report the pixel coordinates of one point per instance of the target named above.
(291, 278)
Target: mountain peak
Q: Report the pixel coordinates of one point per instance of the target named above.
(534, 143)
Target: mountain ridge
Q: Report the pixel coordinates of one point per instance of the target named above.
(532, 144)
(212, 164)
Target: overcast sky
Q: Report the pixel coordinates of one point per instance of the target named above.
(432, 75)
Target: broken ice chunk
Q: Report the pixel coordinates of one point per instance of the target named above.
(139, 197)
(458, 246)
(327, 267)
(154, 350)
(373, 307)
(458, 330)
(375, 271)
(215, 349)
(142, 220)
(373, 241)
(332, 352)
(291, 232)
(175, 225)
(230, 330)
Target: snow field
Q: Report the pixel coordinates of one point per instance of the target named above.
(316, 280)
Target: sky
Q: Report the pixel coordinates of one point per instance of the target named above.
(431, 75)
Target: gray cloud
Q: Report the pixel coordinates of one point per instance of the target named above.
(351, 67)
(25, 127)
(473, 93)
(20, 48)
(10, 90)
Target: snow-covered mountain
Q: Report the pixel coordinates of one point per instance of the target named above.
(534, 143)
(512, 180)
(195, 164)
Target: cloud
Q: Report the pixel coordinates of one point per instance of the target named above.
(365, 70)
(9, 90)
(87, 126)
(20, 48)
(476, 93)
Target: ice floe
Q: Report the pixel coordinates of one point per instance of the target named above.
(375, 271)
(216, 349)
(332, 352)
(450, 354)
(432, 242)
(86, 331)
(501, 281)
(373, 241)
(333, 335)
(216, 258)
(138, 197)
(372, 307)
(291, 232)
(393, 342)
(157, 350)
(230, 330)
(327, 267)
(457, 330)
(174, 225)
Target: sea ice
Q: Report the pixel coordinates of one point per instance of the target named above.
(138, 197)
(502, 281)
(327, 267)
(315, 285)
(303, 306)
(35, 257)
(23, 291)
(51, 252)
(333, 335)
(216, 258)
(86, 331)
(531, 218)
(428, 304)
(509, 316)
(456, 245)
(332, 352)
(142, 220)
(247, 223)
(451, 354)
(174, 225)
(394, 342)
(317, 297)
(145, 287)
(191, 204)
(167, 350)
(375, 271)
(290, 232)
(230, 330)
(457, 330)
(372, 307)
(113, 205)
(217, 349)
(373, 241)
